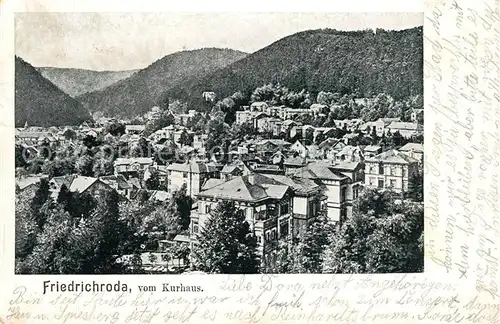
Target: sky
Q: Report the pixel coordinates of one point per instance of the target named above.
(125, 41)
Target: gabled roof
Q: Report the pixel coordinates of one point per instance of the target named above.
(299, 185)
(372, 148)
(405, 126)
(81, 183)
(320, 170)
(212, 182)
(346, 166)
(416, 147)
(251, 188)
(140, 160)
(159, 195)
(119, 179)
(192, 167)
(27, 181)
(392, 156)
(295, 161)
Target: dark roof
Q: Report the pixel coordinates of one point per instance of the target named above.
(319, 170)
(392, 156)
(253, 187)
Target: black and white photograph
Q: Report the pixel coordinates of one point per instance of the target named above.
(219, 143)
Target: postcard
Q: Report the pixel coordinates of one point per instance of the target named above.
(259, 163)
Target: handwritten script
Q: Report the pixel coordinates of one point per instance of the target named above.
(258, 299)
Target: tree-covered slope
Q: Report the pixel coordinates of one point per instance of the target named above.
(40, 103)
(141, 91)
(362, 61)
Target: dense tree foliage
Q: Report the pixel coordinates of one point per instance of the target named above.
(382, 235)
(144, 89)
(85, 240)
(364, 63)
(226, 244)
(40, 103)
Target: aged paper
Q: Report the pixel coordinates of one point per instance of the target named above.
(460, 281)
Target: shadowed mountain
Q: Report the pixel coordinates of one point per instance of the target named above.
(141, 91)
(40, 103)
(365, 62)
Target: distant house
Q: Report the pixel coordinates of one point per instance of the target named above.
(230, 171)
(382, 123)
(350, 154)
(120, 184)
(258, 106)
(134, 129)
(35, 138)
(243, 116)
(292, 163)
(78, 184)
(406, 129)
(414, 150)
(132, 166)
(271, 146)
(299, 148)
(372, 150)
(342, 182)
(391, 169)
(193, 174)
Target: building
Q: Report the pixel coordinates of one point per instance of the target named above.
(417, 115)
(382, 123)
(350, 153)
(120, 184)
(243, 116)
(132, 166)
(414, 150)
(276, 207)
(407, 130)
(193, 174)
(372, 150)
(34, 138)
(134, 129)
(299, 148)
(390, 170)
(341, 184)
(78, 184)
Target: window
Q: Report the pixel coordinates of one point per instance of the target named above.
(259, 239)
(184, 175)
(284, 208)
(207, 209)
(392, 183)
(392, 171)
(284, 228)
(380, 168)
(195, 228)
(381, 183)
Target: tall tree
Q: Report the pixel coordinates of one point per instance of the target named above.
(41, 196)
(226, 244)
(382, 235)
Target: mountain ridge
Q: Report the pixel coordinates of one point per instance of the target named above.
(136, 94)
(39, 102)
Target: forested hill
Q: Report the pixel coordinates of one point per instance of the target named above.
(141, 91)
(40, 103)
(76, 82)
(326, 59)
